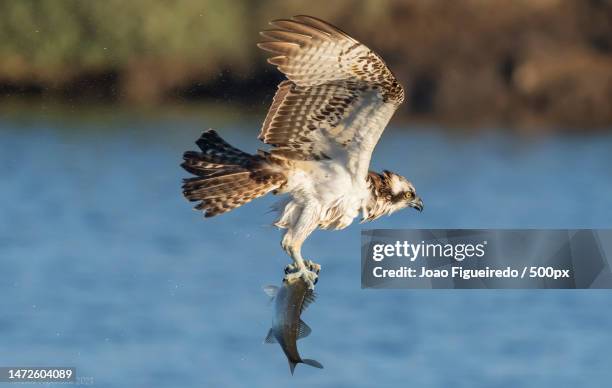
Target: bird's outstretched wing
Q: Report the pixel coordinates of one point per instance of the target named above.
(337, 100)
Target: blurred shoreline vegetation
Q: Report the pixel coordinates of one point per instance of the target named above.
(517, 63)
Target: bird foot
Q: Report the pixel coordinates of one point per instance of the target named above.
(309, 264)
(314, 267)
(310, 277)
(309, 273)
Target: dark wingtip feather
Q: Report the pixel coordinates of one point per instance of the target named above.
(278, 47)
(279, 60)
(320, 25)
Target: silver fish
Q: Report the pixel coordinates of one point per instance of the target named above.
(290, 300)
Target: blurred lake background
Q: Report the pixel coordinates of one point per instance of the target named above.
(104, 266)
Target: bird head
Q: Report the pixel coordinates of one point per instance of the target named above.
(402, 192)
(390, 192)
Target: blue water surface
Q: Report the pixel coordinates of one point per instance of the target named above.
(104, 266)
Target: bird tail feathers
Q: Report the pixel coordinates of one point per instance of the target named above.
(226, 177)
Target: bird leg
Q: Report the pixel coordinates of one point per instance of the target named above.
(300, 268)
(306, 221)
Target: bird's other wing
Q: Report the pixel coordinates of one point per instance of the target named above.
(337, 100)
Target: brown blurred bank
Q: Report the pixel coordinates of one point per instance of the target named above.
(518, 63)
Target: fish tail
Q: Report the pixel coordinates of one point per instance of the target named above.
(226, 177)
(306, 361)
(314, 363)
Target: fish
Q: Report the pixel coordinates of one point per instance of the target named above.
(290, 300)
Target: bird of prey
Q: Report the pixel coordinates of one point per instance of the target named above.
(323, 125)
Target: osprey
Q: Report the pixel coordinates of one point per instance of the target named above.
(323, 125)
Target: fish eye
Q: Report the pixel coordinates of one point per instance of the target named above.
(316, 280)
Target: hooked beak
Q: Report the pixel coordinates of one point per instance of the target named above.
(416, 203)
